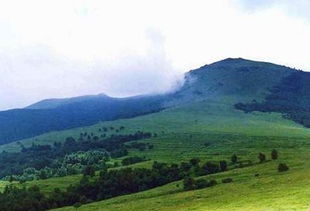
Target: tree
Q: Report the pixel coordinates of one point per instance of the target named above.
(189, 183)
(89, 171)
(282, 167)
(223, 165)
(194, 161)
(261, 157)
(234, 158)
(227, 180)
(42, 174)
(274, 154)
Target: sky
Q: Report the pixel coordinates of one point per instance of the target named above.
(66, 48)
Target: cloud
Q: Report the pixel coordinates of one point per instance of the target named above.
(35, 73)
(57, 48)
(296, 8)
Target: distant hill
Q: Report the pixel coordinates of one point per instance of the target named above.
(57, 102)
(236, 82)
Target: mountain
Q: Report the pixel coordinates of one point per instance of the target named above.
(237, 82)
(195, 130)
(54, 103)
(60, 114)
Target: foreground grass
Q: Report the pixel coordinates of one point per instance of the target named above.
(269, 191)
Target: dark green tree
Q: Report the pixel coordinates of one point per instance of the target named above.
(234, 158)
(89, 171)
(274, 154)
(189, 183)
(282, 167)
(223, 165)
(194, 161)
(261, 157)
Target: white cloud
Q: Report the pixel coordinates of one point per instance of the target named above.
(62, 48)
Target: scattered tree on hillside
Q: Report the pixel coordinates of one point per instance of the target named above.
(189, 183)
(194, 161)
(223, 165)
(274, 154)
(261, 157)
(234, 158)
(282, 167)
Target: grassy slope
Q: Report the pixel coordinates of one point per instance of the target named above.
(183, 132)
(186, 130)
(269, 191)
(199, 118)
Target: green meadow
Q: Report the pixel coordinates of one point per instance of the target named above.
(211, 132)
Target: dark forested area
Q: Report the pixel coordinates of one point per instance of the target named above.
(71, 157)
(291, 98)
(108, 184)
(18, 124)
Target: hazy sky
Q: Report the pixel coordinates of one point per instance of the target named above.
(62, 48)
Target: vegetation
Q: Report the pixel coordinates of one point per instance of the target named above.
(109, 184)
(71, 157)
(282, 167)
(193, 140)
(290, 97)
(274, 154)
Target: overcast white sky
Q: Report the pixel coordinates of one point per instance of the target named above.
(63, 48)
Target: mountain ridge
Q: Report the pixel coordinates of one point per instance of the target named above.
(239, 80)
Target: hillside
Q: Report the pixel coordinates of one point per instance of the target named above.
(237, 80)
(200, 120)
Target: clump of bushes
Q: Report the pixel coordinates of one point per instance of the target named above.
(282, 167)
(190, 183)
(261, 157)
(227, 180)
(132, 160)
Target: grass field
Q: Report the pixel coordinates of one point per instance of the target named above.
(269, 191)
(210, 131)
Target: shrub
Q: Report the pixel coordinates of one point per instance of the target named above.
(189, 183)
(227, 180)
(261, 157)
(194, 161)
(201, 183)
(223, 165)
(89, 171)
(77, 205)
(282, 167)
(274, 154)
(132, 160)
(212, 183)
(234, 158)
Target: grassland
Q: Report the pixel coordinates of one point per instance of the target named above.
(210, 131)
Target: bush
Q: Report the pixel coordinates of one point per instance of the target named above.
(201, 183)
(77, 205)
(194, 161)
(261, 157)
(189, 183)
(274, 154)
(234, 158)
(132, 160)
(227, 180)
(223, 165)
(212, 183)
(282, 167)
(89, 171)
